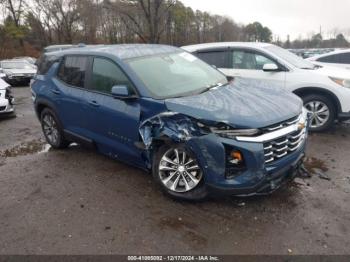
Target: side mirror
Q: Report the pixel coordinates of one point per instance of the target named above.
(214, 66)
(120, 91)
(270, 68)
(230, 78)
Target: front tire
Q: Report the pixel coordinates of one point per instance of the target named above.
(322, 111)
(52, 129)
(178, 173)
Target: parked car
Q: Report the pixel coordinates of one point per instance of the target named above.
(29, 59)
(339, 58)
(162, 109)
(54, 48)
(6, 99)
(17, 71)
(324, 90)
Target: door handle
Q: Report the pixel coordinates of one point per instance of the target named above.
(94, 103)
(55, 91)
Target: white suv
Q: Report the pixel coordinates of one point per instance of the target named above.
(324, 90)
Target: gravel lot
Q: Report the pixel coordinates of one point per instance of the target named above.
(79, 202)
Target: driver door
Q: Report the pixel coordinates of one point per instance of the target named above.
(112, 122)
(249, 64)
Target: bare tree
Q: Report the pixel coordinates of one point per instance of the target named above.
(147, 17)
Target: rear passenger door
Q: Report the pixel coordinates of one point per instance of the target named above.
(69, 92)
(113, 123)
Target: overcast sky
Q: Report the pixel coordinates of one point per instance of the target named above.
(283, 17)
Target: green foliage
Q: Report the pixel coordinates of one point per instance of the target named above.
(15, 32)
(257, 32)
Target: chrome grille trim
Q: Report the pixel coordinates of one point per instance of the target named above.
(273, 151)
(283, 141)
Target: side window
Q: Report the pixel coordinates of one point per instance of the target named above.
(329, 59)
(106, 74)
(45, 62)
(72, 70)
(216, 58)
(249, 60)
(345, 58)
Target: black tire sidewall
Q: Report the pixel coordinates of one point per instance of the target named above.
(330, 105)
(196, 194)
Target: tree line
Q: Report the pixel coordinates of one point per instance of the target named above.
(29, 25)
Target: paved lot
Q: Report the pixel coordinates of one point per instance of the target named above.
(78, 202)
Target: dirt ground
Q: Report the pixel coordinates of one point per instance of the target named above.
(76, 201)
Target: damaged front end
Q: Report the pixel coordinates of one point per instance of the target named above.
(233, 160)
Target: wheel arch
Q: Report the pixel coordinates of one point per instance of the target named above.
(316, 90)
(41, 104)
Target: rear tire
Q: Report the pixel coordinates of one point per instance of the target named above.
(52, 129)
(181, 179)
(322, 110)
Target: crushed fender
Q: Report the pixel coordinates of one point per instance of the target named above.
(177, 127)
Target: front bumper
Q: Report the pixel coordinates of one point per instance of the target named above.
(269, 159)
(257, 178)
(270, 183)
(6, 102)
(6, 107)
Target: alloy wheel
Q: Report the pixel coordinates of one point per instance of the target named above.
(178, 171)
(50, 129)
(319, 113)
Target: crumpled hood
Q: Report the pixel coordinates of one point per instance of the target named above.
(242, 104)
(19, 71)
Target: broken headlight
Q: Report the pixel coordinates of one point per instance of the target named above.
(227, 131)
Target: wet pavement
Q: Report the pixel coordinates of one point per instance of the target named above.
(76, 201)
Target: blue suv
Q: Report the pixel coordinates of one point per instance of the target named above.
(162, 109)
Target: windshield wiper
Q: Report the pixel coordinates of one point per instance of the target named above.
(206, 89)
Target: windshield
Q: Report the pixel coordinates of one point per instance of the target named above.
(16, 65)
(175, 74)
(290, 57)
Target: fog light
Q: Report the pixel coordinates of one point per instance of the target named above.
(236, 157)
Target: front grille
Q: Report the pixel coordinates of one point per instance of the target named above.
(2, 108)
(280, 147)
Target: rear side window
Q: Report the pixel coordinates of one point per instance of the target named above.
(216, 58)
(45, 62)
(72, 70)
(106, 74)
(345, 58)
(330, 59)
